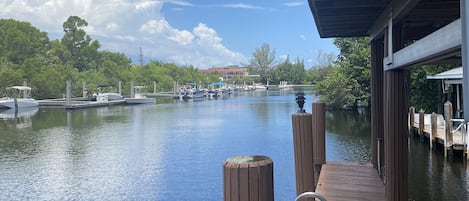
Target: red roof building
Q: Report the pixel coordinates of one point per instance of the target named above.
(227, 72)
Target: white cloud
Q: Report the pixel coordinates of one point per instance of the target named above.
(283, 57)
(180, 3)
(125, 25)
(241, 5)
(182, 37)
(302, 37)
(143, 5)
(155, 26)
(294, 4)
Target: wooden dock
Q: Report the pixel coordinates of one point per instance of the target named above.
(458, 139)
(350, 181)
(78, 104)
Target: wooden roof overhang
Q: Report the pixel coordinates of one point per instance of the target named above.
(355, 18)
(416, 18)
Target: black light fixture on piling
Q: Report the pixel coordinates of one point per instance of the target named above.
(300, 100)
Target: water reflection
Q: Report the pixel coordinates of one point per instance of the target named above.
(432, 177)
(348, 136)
(18, 118)
(155, 152)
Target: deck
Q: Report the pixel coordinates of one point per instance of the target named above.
(350, 181)
(77, 104)
(458, 141)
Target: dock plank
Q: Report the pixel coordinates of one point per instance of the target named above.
(350, 181)
(458, 138)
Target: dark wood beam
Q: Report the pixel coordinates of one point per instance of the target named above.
(399, 8)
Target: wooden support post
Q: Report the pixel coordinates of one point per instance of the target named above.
(319, 133)
(433, 130)
(68, 92)
(120, 87)
(421, 122)
(84, 90)
(411, 119)
(25, 93)
(132, 90)
(377, 129)
(319, 138)
(303, 149)
(448, 113)
(395, 133)
(248, 178)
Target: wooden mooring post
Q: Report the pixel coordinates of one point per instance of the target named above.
(248, 178)
(319, 137)
(303, 149)
(433, 129)
(411, 119)
(421, 122)
(448, 114)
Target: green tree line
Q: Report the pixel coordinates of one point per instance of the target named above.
(26, 53)
(264, 64)
(344, 82)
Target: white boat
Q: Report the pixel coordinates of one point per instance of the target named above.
(113, 96)
(260, 87)
(26, 101)
(284, 86)
(193, 94)
(105, 97)
(139, 98)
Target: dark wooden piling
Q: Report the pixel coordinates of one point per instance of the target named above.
(433, 129)
(421, 122)
(411, 119)
(319, 133)
(448, 114)
(303, 148)
(395, 134)
(377, 115)
(248, 178)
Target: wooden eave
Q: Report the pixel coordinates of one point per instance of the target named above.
(355, 18)
(345, 18)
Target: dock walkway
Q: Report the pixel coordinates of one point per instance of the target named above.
(350, 181)
(458, 139)
(77, 104)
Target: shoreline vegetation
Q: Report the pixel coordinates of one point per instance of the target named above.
(343, 81)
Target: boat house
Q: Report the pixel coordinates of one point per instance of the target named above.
(404, 34)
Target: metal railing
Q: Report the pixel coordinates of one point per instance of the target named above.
(310, 195)
(462, 127)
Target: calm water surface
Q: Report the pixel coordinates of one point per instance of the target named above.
(175, 150)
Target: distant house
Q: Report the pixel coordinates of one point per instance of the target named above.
(228, 71)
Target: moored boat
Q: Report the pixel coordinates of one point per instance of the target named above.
(139, 98)
(26, 101)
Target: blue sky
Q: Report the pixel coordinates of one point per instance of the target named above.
(203, 33)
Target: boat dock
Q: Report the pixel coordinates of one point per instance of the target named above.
(77, 104)
(315, 177)
(350, 181)
(449, 132)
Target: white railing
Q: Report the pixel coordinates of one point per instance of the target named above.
(310, 195)
(462, 127)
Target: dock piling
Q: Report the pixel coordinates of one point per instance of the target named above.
(421, 122)
(433, 130)
(120, 87)
(25, 83)
(319, 132)
(448, 114)
(411, 119)
(68, 91)
(248, 178)
(303, 149)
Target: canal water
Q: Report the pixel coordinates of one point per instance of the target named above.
(174, 151)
